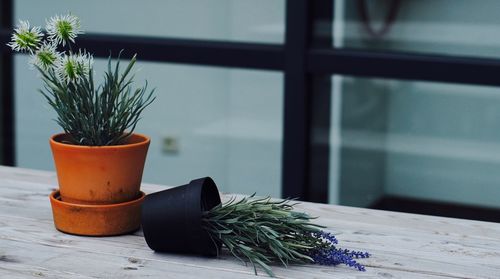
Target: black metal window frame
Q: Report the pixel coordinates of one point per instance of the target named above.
(307, 61)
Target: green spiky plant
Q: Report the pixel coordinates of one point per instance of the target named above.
(106, 115)
(89, 115)
(264, 232)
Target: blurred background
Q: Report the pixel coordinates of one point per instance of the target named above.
(389, 104)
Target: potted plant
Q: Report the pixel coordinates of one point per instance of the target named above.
(98, 158)
(191, 219)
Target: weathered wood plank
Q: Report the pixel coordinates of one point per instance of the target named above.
(43, 234)
(13, 270)
(404, 245)
(425, 261)
(69, 260)
(56, 258)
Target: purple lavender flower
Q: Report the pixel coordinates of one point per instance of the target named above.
(328, 254)
(326, 236)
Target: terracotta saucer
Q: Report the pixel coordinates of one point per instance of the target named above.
(96, 220)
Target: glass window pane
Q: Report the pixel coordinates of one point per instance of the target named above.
(238, 20)
(452, 27)
(421, 140)
(224, 123)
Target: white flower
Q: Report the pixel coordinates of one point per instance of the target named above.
(74, 67)
(25, 38)
(46, 56)
(63, 29)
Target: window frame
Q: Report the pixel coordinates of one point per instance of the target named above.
(307, 62)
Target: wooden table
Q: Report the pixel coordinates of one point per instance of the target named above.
(403, 245)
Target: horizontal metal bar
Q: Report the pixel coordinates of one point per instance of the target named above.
(200, 52)
(186, 51)
(364, 63)
(409, 66)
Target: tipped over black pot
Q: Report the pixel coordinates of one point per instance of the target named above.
(172, 219)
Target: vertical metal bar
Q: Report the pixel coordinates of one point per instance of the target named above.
(319, 167)
(320, 91)
(6, 92)
(307, 102)
(295, 164)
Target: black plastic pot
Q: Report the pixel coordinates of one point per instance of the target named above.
(171, 219)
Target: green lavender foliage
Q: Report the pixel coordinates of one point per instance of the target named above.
(106, 115)
(263, 231)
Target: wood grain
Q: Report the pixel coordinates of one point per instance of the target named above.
(403, 245)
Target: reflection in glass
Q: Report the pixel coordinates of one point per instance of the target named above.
(451, 27)
(423, 140)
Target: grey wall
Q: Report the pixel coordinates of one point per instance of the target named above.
(227, 122)
(256, 20)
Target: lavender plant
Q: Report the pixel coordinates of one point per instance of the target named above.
(263, 232)
(90, 115)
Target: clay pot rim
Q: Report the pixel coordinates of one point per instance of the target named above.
(54, 197)
(96, 220)
(145, 140)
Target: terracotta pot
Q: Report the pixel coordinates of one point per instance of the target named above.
(96, 219)
(99, 174)
(171, 219)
